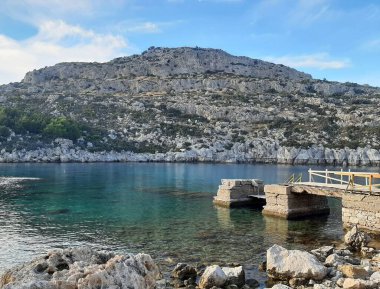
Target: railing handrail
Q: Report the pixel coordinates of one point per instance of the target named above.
(349, 181)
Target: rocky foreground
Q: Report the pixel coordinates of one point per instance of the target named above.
(353, 266)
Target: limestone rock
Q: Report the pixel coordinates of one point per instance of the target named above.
(323, 252)
(351, 271)
(356, 239)
(350, 283)
(375, 277)
(285, 264)
(235, 275)
(83, 268)
(334, 260)
(213, 276)
(183, 272)
(280, 286)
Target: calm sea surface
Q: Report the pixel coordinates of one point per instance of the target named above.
(165, 210)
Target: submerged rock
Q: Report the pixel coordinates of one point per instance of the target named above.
(83, 268)
(283, 264)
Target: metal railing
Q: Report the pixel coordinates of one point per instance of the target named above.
(294, 179)
(352, 180)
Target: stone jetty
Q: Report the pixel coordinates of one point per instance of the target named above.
(240, 192)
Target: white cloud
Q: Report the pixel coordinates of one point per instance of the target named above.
(317, 60)
(50, 46)
(371, 45)
(145, 27)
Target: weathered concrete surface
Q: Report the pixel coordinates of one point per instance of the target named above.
(282, 202)
(297, 200)
(238, 192)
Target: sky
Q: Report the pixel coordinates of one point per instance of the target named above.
(334, 39)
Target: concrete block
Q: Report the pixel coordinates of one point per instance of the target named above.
(278, 189)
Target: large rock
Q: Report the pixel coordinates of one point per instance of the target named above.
(183, 272)
(235, 275)
(356, 239)
(285, 264)
(83, 268)
(213, 276)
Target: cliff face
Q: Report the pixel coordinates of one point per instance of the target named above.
(188, 100)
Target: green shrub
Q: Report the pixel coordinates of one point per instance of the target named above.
(33, 123)
(62, 127)
(4, 132)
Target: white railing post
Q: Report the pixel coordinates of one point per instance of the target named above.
(309, 175)
(341, 177)
(326, 176)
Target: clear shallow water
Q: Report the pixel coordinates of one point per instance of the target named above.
(165, 210)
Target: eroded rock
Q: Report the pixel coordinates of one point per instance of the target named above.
(285, 264)
(183, 271)
(213, 276)
(83, 268)
(235, 275)
(356, 239)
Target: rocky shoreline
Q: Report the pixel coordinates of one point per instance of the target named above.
(352, 265)
(63, 150)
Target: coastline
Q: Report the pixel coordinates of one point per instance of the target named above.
(267, 152)
(348, 157)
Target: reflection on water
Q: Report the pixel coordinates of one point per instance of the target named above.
(162, 209)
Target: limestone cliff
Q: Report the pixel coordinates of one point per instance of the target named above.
(188, 104)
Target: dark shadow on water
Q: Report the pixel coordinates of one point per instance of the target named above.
(58, 211)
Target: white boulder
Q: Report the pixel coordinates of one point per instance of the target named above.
(213, 276)
(235, 275)
(284, 264)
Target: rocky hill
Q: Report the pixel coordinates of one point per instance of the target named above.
(187, 104)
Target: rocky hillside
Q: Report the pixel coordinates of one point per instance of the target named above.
(187, 104)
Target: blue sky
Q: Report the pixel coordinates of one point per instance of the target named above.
(335, 39)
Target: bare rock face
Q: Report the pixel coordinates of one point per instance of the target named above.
(283, 264)
(83, 268)
(356, 239)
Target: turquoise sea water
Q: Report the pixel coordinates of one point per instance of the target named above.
(165, 210)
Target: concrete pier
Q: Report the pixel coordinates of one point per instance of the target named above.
(359, 192)
(240, 192)
(282, 202)
(302, 200)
